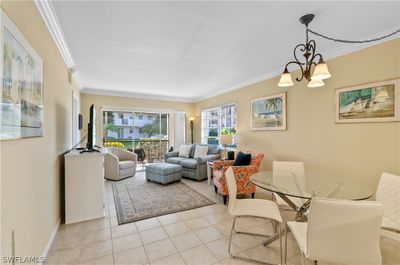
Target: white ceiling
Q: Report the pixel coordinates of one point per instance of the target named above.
(192, 50)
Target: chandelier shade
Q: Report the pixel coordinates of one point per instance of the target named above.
(286, 79)
(321, 71)
(315, 83)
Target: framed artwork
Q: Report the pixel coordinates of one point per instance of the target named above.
(376, 102)
(21, 97)
(269, 113)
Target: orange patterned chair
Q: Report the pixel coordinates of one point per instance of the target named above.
(242, 175)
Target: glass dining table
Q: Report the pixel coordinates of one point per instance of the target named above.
(297, 190)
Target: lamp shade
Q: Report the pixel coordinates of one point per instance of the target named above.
(286, 79)
(225, 139)
(316, 83)
(321, 71)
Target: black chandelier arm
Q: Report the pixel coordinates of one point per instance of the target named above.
(303, 48)
(313, 46)
(353, 41)
(300, 66)
(317, 55)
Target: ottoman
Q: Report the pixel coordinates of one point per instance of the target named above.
(163, 173)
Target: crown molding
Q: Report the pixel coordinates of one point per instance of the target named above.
(349, 48)
(107, 92)
(329, 55)
(47, 12)
(50, 19)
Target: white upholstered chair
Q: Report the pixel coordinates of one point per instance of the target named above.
(119, 163)
(389, 194)
(250, 208)
(285, 168)
(340, 231)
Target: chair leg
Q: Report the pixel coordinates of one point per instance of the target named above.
(302, 257)
(230, 237)
(253, 195)
(286, 246)
(278, 225)
(274, 227)
(225, 197)
(215, 189)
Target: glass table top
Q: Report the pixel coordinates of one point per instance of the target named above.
(312, 185)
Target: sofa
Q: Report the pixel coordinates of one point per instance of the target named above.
(194, 168)
(119, 163)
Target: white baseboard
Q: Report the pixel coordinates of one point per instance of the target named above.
(50, 242)
(391, 235)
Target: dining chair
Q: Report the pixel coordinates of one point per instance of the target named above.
(250, 208)
(340, 231)
(388, 193)
(287, 168)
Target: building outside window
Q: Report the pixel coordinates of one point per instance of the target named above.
(129, 130)
(216, 121)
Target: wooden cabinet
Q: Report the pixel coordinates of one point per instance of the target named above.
(84, 186)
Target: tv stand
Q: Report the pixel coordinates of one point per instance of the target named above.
(89, 150)
(84, 186)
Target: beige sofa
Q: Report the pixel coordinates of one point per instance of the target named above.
(119, 163)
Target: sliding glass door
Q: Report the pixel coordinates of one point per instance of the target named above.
(134, 130)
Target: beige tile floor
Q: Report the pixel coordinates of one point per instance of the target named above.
(194, 237)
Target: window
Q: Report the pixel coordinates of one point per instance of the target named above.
(217, 121)
(129, 130)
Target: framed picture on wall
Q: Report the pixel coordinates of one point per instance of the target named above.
(21, 97)
(269, 113)
(375, 102)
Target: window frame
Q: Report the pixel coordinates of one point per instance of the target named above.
(205, 118)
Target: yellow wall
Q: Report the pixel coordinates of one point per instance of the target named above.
(133, 103)
(31, 168)
(361, 151)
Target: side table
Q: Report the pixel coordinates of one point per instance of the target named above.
(210, 167)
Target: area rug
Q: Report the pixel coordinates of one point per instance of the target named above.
(137, 200)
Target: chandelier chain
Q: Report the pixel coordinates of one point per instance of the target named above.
(353, 41)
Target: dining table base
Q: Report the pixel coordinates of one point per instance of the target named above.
(301, 216)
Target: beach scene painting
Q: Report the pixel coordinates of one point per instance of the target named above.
(269, 113)
(377, 102)
(21, 102)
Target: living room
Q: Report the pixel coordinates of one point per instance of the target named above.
(189, 104)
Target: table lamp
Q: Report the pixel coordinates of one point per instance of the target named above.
(225, 140)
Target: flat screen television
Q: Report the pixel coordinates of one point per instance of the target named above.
(91, 140)
(91, 137)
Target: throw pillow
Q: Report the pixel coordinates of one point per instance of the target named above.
(184, 151)
(201, 151)
(242, 159)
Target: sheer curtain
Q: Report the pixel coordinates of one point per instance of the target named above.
(179, 130)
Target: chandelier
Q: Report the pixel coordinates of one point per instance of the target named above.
(313, 68)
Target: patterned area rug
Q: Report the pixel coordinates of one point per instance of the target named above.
(137, 200)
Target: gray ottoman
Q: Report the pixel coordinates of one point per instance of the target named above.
(163, 173)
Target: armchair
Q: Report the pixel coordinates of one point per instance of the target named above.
(119, 163)
(242, 175)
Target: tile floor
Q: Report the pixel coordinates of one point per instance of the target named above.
(194, 237)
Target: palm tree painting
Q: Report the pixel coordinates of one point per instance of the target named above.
(22, 93)
(269, 113)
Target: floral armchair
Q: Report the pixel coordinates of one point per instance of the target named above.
(242, 175)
